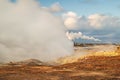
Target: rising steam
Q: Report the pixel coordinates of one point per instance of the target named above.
(29, 31)
(72, 36)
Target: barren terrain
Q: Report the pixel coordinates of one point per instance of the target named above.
(88, 68)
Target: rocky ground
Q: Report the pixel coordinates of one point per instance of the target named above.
(89, 68)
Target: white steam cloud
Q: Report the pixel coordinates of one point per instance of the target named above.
(27, 30)
(72, 36)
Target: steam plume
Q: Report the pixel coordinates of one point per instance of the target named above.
(29, 31)
(72, 36)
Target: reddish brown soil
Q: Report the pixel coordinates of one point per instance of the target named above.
(91, 68)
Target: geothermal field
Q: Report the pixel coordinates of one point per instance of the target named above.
(99, 62)
(59, 40)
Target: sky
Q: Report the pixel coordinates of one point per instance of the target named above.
(96, 18)
(87, 7)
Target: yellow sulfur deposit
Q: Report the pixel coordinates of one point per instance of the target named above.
(106, 53)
